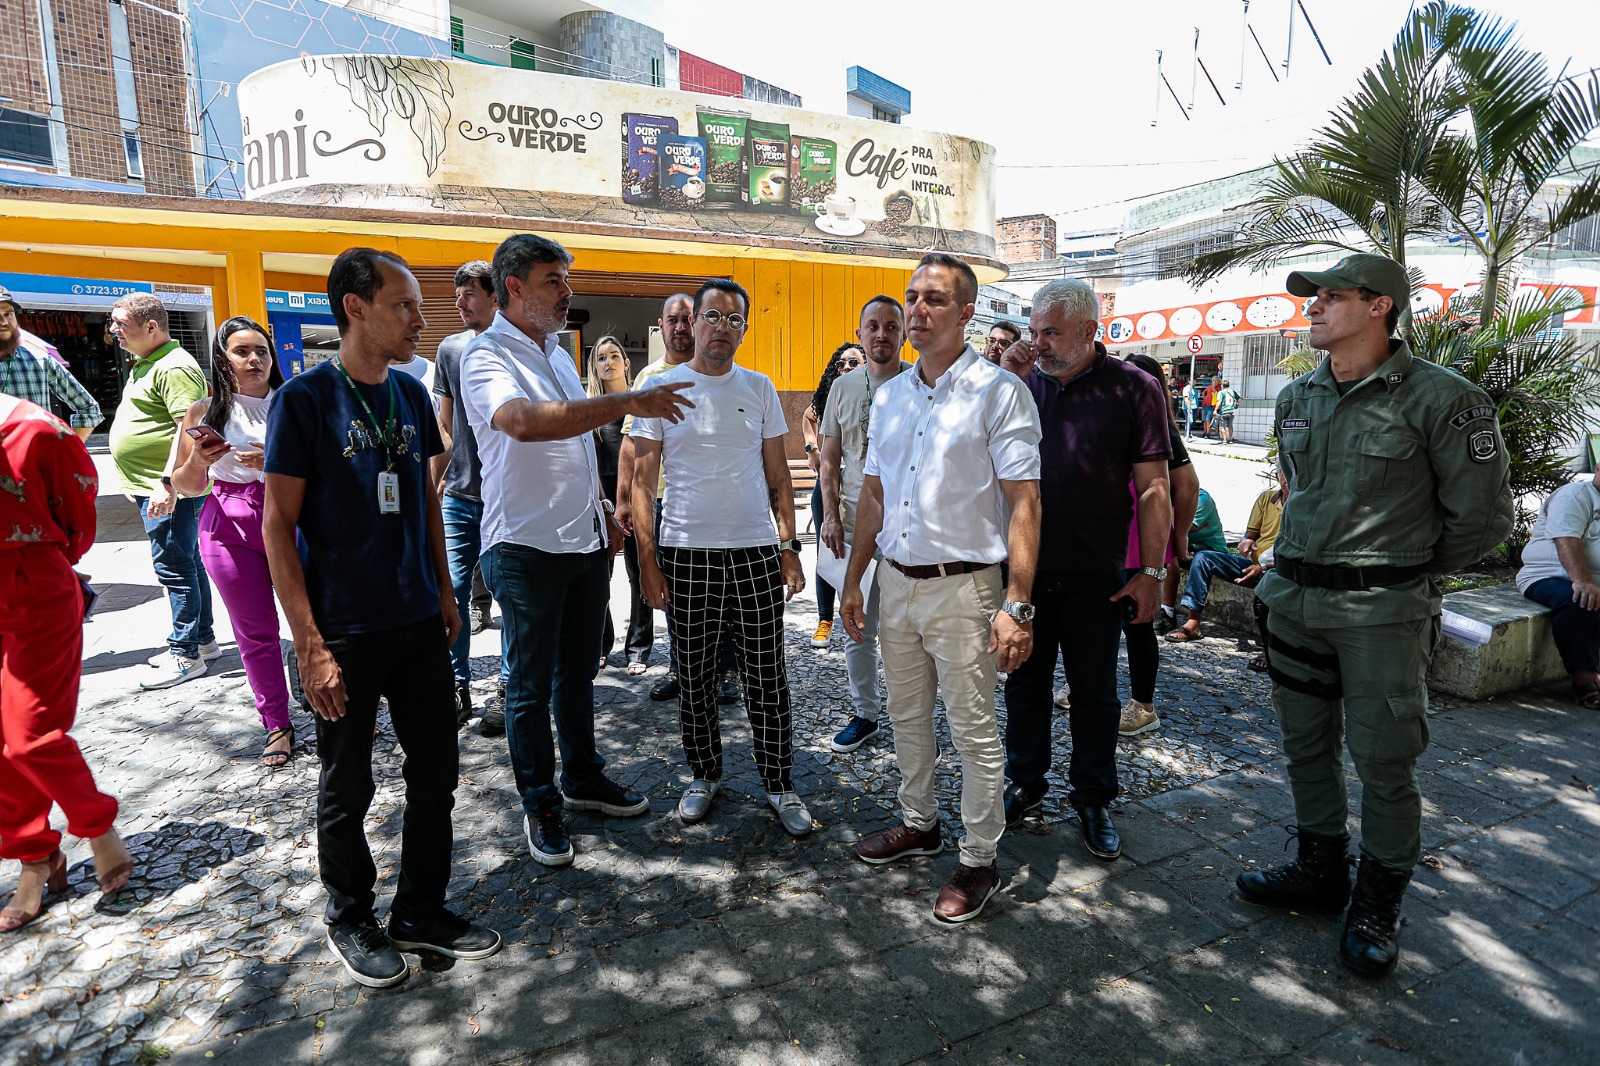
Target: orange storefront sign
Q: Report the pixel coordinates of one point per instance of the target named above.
(1280, 310)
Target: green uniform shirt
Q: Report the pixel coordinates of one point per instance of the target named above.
(1406, 468)
(161, 386)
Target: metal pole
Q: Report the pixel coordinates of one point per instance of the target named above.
(1244, 28)
(1155, 116)
(1194, 72)
(1288, 51)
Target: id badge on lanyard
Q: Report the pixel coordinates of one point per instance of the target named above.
(388, 492)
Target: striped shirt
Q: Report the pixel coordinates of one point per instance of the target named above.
(39, 378)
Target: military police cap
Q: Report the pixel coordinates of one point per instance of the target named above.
(1363, 270)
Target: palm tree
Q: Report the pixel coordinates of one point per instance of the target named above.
(1454, 134)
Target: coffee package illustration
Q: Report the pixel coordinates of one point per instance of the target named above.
(813, 171)
(765, 169)
(724, 133)
(641, 134)
(683, 171)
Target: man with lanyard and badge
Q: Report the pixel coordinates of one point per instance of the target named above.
(844, 454)
(1397, 476)
(368, 597)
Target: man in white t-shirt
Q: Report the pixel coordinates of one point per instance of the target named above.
(720, 562)
(547, 533)
(844, 453)
(1560, 566)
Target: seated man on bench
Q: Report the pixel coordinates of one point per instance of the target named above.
(1559, 566)
(1244, 566)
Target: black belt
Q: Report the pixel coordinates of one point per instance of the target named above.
(1346, 578)
(938, 569)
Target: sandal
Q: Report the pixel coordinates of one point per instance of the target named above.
(1183, 636)
(1587, 695)
(277, 760)
(1258, 663)
(113, 876)
(636, 669)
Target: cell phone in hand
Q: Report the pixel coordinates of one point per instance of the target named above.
(205, 434)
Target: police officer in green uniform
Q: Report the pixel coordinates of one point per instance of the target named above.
(1397, 475)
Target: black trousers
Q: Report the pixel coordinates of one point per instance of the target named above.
(409, 666)
(1076, 619)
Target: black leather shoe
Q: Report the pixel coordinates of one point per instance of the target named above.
(1099, 835)
(665, 689)
(463, 704)
(493, 722)
(728, 690)
(1019, 801)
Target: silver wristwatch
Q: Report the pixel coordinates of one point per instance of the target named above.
(1021, 613)
(1157, 572)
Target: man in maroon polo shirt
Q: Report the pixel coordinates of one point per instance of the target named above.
(1104, 424)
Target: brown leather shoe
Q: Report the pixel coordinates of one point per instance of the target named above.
(901, 842)
(963, 898)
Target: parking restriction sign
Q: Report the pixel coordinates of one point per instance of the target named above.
(1196, 342)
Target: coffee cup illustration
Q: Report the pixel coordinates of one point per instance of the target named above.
(694, 189)
(839, 208)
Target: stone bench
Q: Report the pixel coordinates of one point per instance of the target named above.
(1520, 654)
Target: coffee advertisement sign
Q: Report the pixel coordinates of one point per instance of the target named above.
(400, 132)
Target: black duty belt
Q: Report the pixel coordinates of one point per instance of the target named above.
(1346, 578)
(938, 569)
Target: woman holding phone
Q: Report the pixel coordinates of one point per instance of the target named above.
(222, 444)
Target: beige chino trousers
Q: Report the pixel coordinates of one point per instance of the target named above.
(933, 635)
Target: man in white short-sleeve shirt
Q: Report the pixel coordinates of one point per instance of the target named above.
(1560, 568)
(951, 491)
(720, 561)
(547, 533)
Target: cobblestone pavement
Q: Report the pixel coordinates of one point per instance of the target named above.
(730, 942)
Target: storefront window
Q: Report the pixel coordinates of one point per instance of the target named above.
(1262, 354)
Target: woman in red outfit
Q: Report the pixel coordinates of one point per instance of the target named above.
(47, 522)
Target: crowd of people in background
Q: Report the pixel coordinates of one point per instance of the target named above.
(978, 514)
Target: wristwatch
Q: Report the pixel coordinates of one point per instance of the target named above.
(1157, 572)
(810, 448)
(789, 546)
(608, 507)
(166, 480)
(1020, 612)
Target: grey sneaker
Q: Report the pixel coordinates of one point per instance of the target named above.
(791, 812)
(179, 668)
(210, 650)
(696, 801)
(1063, 697)
(1138, 718)
(367, 953)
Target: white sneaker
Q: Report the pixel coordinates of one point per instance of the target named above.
(696, 801)
(1063, 697)
(179, 669)
(791, 813)
(1138, 718)
(210, 651)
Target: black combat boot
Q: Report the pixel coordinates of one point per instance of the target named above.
(1319, 880)
(1371, 942)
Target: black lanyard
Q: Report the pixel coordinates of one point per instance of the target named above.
(386, 436)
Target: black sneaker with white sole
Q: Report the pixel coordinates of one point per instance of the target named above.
(547, 838)
(445, 933)
(367, 953)
(606, 796)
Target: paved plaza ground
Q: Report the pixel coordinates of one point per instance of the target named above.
(730, 942)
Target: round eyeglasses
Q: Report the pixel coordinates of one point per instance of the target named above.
(715, 318)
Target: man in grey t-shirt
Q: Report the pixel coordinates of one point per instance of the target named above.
(458, 475)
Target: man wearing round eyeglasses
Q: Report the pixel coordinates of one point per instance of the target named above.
(720, 562)
(844, 451)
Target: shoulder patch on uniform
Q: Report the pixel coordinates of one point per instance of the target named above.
(1483, 446)
(1472, 414)
(1295, 423)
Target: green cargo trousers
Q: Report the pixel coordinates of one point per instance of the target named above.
(1368, 686)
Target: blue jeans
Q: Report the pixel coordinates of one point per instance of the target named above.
(463, 542)
(1204, 566)
(553, 606)
(1076, 619)
(1576, 630)
(175, 551)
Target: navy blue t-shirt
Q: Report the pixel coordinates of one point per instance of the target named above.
(365, 571)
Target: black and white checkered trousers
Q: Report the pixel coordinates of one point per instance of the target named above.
(741, 588)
